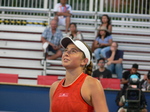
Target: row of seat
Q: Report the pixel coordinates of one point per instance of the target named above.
(26, 55)
(41, 80)
(21, 49)
(49, 80)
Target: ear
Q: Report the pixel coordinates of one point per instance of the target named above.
(84, 62)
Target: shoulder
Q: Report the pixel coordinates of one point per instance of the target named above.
(58, 31)
(92, 82)
(138, 73)
(127, 71)
(57, 5)
(96, 71)
(120, 51)
(67, 5)
(109, 25)
(68, 34)
(54, 86)
(107, 70)
(78, 32)
(47, 28)
(109, 37)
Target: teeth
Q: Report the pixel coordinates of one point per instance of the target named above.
(65, 59)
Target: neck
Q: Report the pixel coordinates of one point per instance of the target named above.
(63, 4)
(73, 32)
(102, 36)
(71, 76)
(53, 31)
(101, 69)
(104, 23)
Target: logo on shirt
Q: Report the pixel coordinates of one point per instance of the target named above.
(63, 94)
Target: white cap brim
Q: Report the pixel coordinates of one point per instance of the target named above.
(67, 40)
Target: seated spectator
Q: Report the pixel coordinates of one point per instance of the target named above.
(63, 13)
(128, 73)
(102, 72)
(146, 82)
(115, 58)
(102, 43)
(52, 36)
(74, 33)
(106, 21)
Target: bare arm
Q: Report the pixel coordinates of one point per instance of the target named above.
(110, 28)
(124, 81)
(112, 56)
(98, 97)
(44, 40)
(117, 61)
(108, 44)
(93, 94)
(96, 44)
(63, 13)
(51, 92)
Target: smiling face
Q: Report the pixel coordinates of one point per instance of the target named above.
(73, 57)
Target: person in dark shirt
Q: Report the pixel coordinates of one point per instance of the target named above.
(115, 58)
(102, 72)
(128, 73)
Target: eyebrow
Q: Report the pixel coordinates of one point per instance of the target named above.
(74, 48)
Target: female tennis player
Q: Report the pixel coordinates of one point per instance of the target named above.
(78, 91)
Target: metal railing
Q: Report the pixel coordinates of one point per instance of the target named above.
(119, 6)
(39, 12)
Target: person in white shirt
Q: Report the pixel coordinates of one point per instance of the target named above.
(63, 13)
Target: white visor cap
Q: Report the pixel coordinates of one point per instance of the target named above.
(67, 40)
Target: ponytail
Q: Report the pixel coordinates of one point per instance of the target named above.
(88, 69)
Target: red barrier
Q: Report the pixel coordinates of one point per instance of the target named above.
(110, 83)
(46, 80)
(12, 78)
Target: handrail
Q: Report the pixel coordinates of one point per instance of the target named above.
(16, 9)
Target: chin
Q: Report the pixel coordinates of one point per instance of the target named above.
(65, 64)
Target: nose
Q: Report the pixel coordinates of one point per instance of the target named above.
(66, 53)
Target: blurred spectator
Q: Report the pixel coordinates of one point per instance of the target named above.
(106, 21)
(102, 43)
(128, 73)
(52, 36)
(115, 58)
(63, 13)
(146, 82)
(102, 72)
(74, 33)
